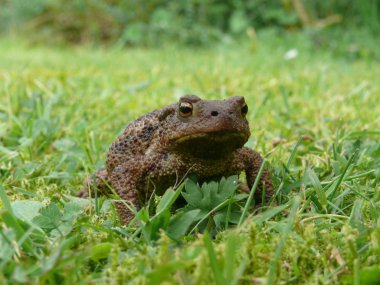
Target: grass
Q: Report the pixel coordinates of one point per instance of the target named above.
(315, 118)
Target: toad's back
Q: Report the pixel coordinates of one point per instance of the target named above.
(134, 141)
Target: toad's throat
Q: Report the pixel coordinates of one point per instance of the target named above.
(210, 145)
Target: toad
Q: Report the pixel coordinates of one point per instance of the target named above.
(197, 137)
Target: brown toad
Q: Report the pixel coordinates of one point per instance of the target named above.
(199, 137)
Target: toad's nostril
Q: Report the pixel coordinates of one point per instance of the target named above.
(214, 113)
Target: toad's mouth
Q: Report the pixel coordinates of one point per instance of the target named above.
(210, 145)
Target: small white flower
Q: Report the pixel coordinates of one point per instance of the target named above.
(291, 54)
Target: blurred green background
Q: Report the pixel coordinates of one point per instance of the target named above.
(190, 22)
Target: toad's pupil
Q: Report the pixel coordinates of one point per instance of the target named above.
(185, 109)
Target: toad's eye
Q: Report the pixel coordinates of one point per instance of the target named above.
(185, 109)
(244, 109)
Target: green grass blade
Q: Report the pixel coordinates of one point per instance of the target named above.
(253, 190)
(291, 157)
(10, 220)
(4, 198)
(277, 255)
(170, 201)
(232, 248)
(331, 195)
(318, 188)
(215, 266)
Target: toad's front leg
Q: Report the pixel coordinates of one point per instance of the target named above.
(132, 180)
(128, 180)
(250, 161)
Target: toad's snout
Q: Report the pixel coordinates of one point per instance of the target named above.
(220, 114)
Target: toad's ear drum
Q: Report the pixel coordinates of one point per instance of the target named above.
(165, 112)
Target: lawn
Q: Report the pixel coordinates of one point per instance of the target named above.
(314, 115)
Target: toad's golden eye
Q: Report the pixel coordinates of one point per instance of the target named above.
(244, 109)
(185, 109)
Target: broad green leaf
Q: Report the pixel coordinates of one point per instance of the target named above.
(214, 200)
(180, 224)
(26, 210)
(49, 218)
(227, 186)
(192, 193)
(220, 217)
(208, 191)
(211, 194)
(219, 220)
(71, 211)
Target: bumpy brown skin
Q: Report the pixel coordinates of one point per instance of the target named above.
(160, 148)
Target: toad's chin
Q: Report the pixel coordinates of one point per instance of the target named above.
(210, 145)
